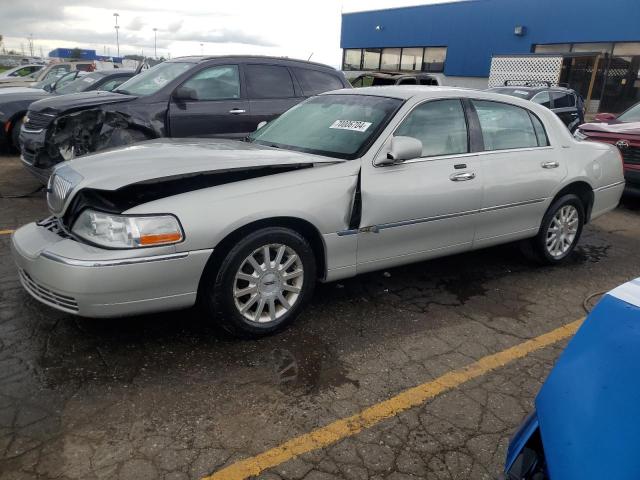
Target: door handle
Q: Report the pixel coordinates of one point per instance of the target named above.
(462, 177)
(550, 164)
(237, 111)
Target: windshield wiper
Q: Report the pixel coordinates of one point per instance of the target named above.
(124, 92)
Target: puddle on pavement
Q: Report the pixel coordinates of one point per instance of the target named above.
(590, 253)
(307, 366)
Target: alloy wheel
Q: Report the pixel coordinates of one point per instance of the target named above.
(268, 283)
(562, 231)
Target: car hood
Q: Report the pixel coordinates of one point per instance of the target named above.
(12, 94)
(614, 127)
(588, 407)
(172, 158)
(70, 101)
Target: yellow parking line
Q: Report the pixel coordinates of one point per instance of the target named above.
(413, 397)
(6, 232)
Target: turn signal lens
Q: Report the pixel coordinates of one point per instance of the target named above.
(121, 231)
(160, 238)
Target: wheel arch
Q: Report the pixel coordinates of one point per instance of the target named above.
(583, 190)
(12, 122)
(299, 225)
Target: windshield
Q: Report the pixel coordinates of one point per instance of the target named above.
(80, 84)
(631, 115)
(152, 80)
(340, 126)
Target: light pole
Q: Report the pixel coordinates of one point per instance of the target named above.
(117, 27)
(155, 43)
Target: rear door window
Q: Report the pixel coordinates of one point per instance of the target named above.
(563, 100)
(543, 98)
(314, 81)
(505, 126)
(268, 81)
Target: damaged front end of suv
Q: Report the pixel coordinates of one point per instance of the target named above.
(51, 134)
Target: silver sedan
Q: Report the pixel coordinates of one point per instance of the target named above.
(344, 183)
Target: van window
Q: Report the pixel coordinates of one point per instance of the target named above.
(268, 81)
(314, 81)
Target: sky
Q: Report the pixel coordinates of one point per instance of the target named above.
(297, 29)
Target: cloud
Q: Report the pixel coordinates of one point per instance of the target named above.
(136, 24)
(224, 36)
(175, 26)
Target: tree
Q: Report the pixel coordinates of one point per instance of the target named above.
(76, 54)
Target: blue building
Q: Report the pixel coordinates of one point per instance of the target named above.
(83, 54)
(458, 40)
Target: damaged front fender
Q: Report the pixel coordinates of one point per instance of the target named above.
(87, 131)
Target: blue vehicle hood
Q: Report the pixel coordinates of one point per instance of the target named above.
(589, 407)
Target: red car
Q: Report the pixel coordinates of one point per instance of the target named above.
(623, 131)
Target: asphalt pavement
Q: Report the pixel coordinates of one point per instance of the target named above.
(168, 396)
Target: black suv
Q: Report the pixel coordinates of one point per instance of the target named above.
(566, 103)
(15, 103)
(224, 96)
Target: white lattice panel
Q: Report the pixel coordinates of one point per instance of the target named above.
(528, 68)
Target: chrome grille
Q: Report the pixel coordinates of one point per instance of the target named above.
(53, 225)
(57, 192)
(37, 120)
(631, 155)
(63, 302)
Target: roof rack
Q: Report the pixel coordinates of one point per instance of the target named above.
(527, 83)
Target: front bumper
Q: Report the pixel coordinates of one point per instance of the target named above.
(632, 177)
(93, 282)
(33, 154)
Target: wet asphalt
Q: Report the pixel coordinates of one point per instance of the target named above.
(170, 397)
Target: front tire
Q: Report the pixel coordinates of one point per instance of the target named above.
(262, 283)
(559, 232)
(15, 135)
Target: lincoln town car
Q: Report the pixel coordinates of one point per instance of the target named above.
(346, 182)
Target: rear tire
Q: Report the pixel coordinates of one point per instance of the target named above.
(262, 284)
(559, 232)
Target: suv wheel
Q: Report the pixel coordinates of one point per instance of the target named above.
(15, 134)
(262, 284)
(559, 233)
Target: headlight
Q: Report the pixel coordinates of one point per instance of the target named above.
(122, 231)
(578, 135)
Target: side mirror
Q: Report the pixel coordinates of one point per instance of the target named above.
(605, 117)
(49, 87)
(185, 93)
(402, 148)
(260, 125)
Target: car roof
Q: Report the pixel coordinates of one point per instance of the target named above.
(204, 58)
(405, 92)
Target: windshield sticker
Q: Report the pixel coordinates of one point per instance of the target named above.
(353, 125)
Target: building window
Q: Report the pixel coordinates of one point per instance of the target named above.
(627, 49)
(411, 59)
(352, 59)
(390, 59)
(592, 47)
(371, 60)
(434, 58)
(552, 48)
